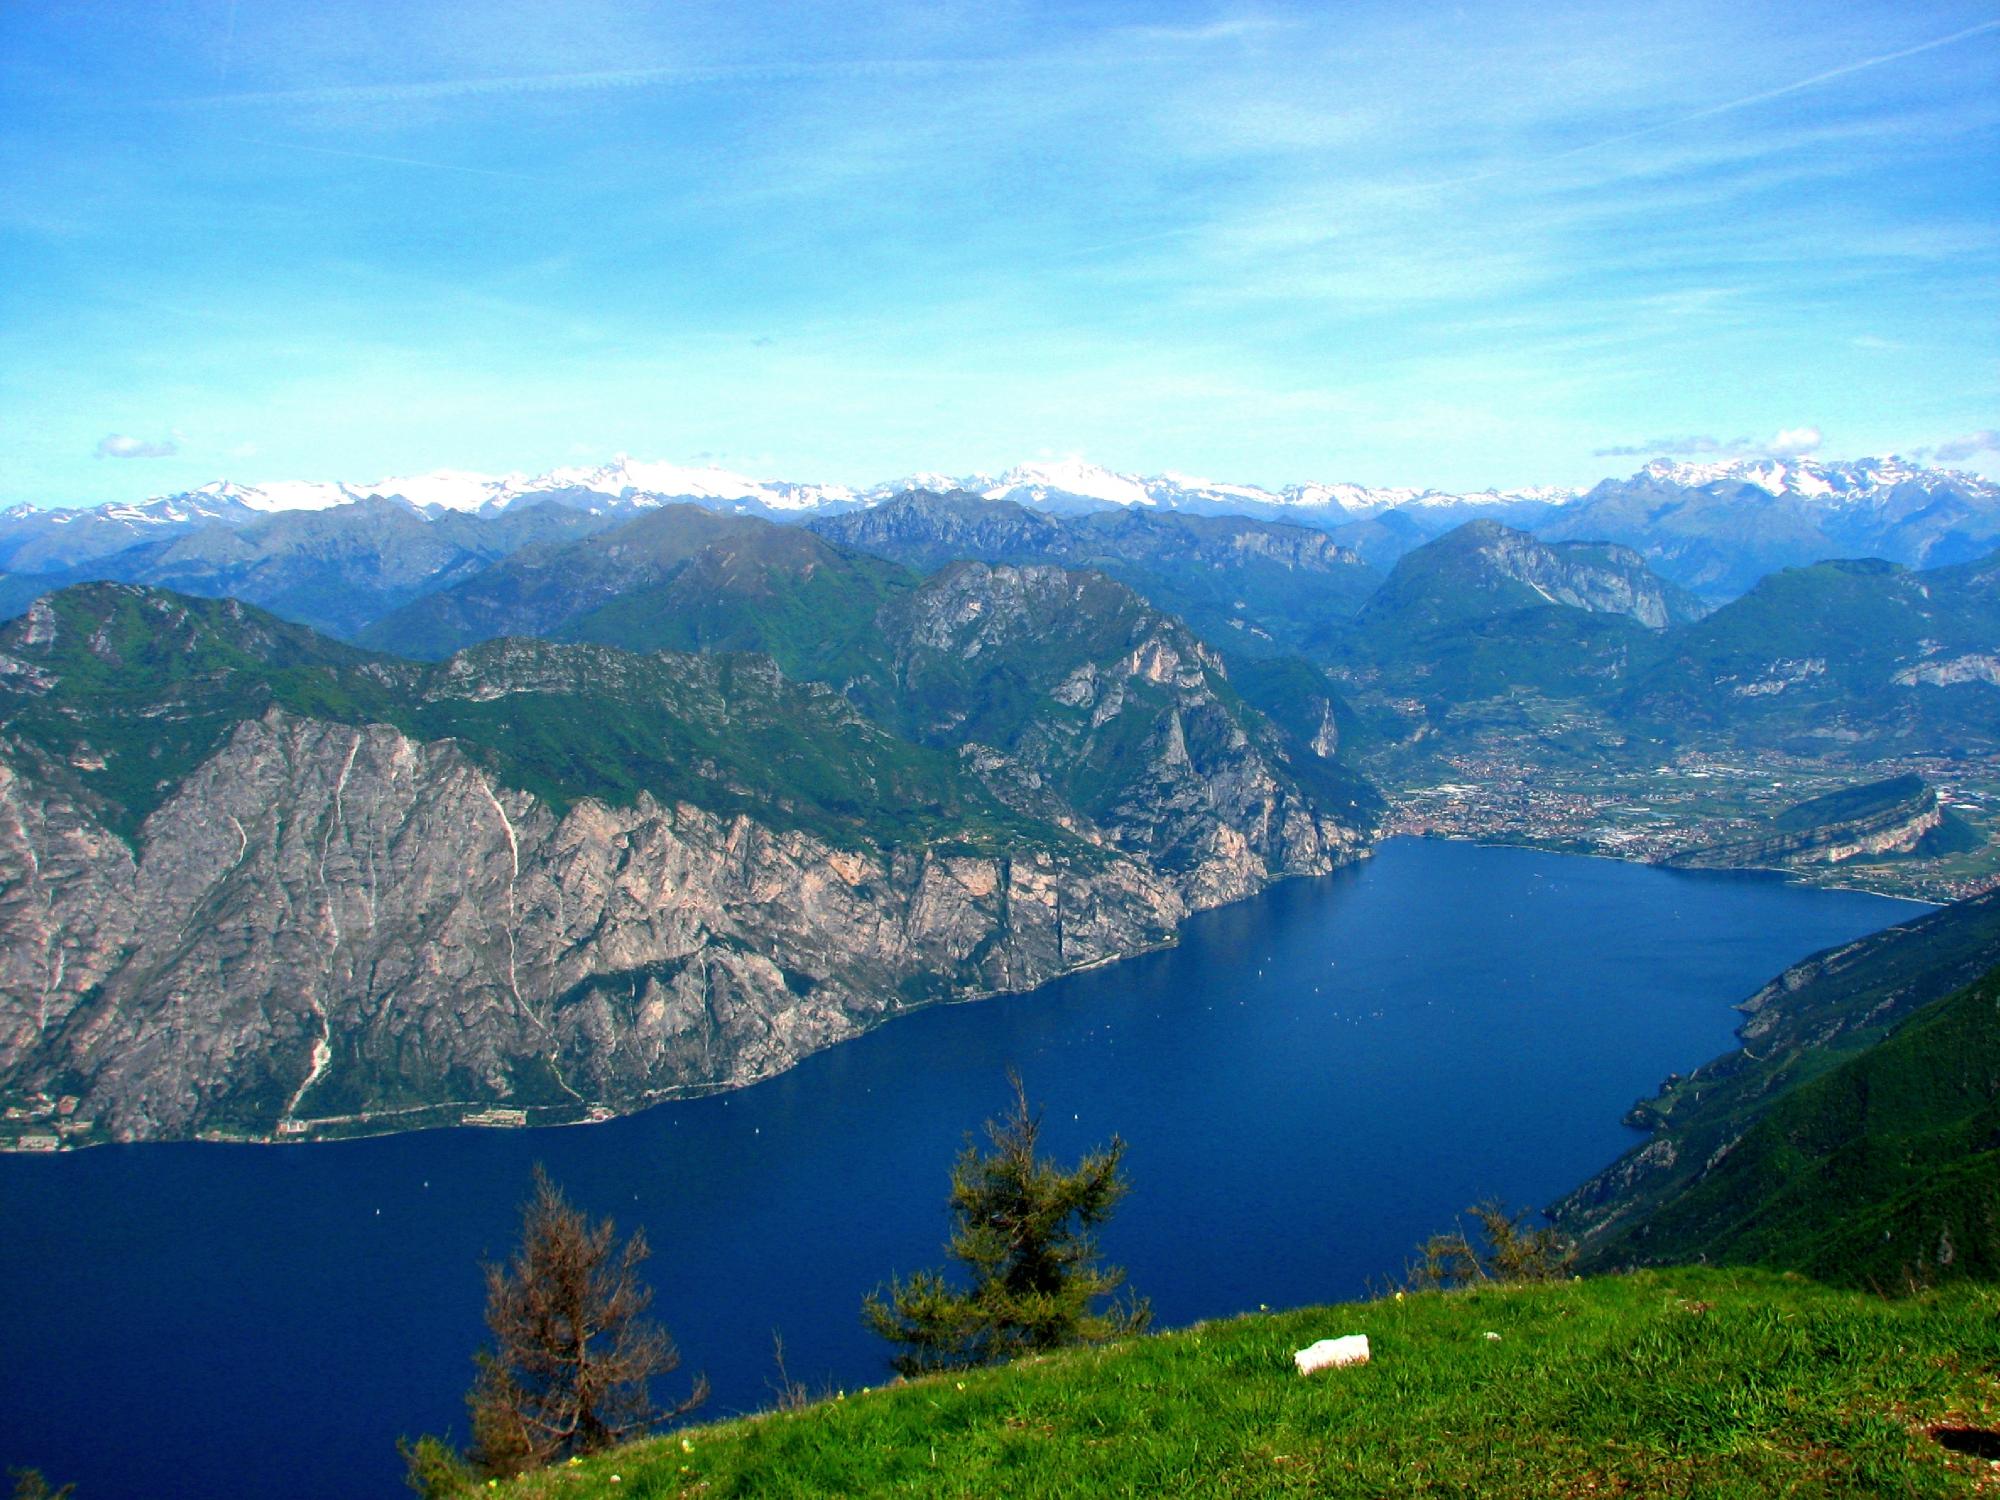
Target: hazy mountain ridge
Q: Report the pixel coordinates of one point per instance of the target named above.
(1864, 657)
(541, 588)
(1484, 614)
(1255, 586)
(1717, 529)
(1485, 568)
(1711, 527)
(335, 570)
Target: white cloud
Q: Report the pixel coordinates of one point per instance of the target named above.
(119, 445)
(1958, 449)
(1788, 442)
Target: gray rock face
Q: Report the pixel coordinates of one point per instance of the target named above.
(1210, 804)
(1606, 579)
(340, 926)
(1484, 568)
(256, 884)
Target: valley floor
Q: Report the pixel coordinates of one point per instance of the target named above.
(1685, 1382)
(1650, 813)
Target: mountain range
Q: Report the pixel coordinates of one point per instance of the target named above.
(1483, 627)
(1713, 528)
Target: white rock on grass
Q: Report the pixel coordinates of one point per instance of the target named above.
(1330, 1354)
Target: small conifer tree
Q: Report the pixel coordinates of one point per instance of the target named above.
(573, 1353)
(1024, 1232)
(1514, 1252)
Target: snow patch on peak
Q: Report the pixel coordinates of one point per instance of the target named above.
(1072, 476)
(283, 494)
(1855, 481)
(1218, 491)
(937, 484)
(449, 489)
(625, 475)
(1868, 484)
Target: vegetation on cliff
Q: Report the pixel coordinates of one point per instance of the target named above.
(1883, 1172)
(1865, 1070)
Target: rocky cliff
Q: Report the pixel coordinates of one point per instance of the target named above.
(1067, 692)
(385, 895)
(1890, 817)
(1484, 568)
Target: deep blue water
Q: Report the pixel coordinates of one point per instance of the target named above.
(1308, 1084)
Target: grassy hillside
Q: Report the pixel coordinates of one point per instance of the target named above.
(1849, 804)
(1865, 654)
(780, 591)
(540, 587)
(1689, 1382)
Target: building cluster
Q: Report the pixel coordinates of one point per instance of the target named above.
(44, 1122)
(1651, 813)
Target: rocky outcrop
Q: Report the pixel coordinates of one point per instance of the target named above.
(1126, 724)
(1973, 666)
(259, 884)
(1895, 828)
(331, 926)
(1484, 568)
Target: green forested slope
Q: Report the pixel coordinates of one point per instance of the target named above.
(1817, 1017)
(1883, 1172)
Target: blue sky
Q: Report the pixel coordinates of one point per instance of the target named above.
(1388, 243)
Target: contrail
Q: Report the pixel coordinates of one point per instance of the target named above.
(1719, 109)
(399, 161)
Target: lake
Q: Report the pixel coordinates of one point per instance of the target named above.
(1310, 1083)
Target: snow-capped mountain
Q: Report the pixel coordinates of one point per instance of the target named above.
(623, 478)
(1066, 484)
(1741, 516)
(1809, 478)
(1717, 528)
(634, 479)
(1070, 484)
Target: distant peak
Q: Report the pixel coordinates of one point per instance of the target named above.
(1060, 483)
(1071, 476)
(1811, 478)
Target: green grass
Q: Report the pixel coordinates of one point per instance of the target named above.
(1850, 804)
(1689, 1382)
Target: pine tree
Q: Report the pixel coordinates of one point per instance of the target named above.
(1514, 1252)
(573, 1353)
(1023, 1231)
